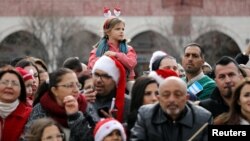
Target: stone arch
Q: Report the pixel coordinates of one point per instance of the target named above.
(146, 43)
(222, 29)
(79, 44)
(22, 43)
(217, 44)
(134, 31)
(11, 29)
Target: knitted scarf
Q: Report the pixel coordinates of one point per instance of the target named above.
(103, 47)
(58, 112)
(7, 108)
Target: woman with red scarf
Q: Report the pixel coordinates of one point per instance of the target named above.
(61, 100)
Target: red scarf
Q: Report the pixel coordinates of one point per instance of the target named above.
(58, 112)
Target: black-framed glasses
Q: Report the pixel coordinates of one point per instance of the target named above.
(101, 76)
(59, 136)
(10, 83)
(71, 85)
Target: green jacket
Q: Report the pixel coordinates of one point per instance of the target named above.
(208, 85)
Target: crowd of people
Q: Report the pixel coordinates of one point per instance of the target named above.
(104, 100)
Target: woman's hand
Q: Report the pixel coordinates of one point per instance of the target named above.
(70, 105)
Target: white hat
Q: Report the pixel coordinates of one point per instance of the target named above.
(106, 126)
(206, 64)
(155, 56)
(108, 65)
(115, 69)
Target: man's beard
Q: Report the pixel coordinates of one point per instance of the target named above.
(173, 113)
(229, 92)
(192, 70)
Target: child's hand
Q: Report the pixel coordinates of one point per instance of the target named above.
(110, 53)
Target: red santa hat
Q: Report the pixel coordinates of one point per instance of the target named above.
(25, 74)
(105, 126)
(116, 70)
(161, 74)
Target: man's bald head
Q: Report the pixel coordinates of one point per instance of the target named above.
(173, 80)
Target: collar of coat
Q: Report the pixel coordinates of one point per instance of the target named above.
(160, 117)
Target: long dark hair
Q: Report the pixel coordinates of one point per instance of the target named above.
(137, 96)
(54, 78)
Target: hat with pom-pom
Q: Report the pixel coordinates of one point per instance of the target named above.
(161, 74)
(156, 55)
(24, 73)
(106, 126)
(115, 69)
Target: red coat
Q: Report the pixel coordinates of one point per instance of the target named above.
(128, 60)
(13, 126)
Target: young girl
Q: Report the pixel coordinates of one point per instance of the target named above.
(114, 44)
(45, 129)
(109, 129)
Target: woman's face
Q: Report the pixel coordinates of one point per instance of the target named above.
(150, 94)
(115, 135)
(29, 86)
(32, 70)
(52, 133)
(10, 88)
(244, 99)
(69, 85)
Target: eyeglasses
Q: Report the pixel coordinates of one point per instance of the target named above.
(71, 85)
(59, 136)
(10, 83)
(101, 76)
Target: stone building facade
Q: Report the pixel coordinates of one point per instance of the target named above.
(222, 27)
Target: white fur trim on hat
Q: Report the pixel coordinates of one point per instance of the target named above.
(157, 77)
(108, 127)
(206, 64)
(154, 57)
(107, 65)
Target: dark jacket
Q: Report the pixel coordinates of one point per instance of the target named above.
(215, 104)
(105, 102)
(153, 125)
